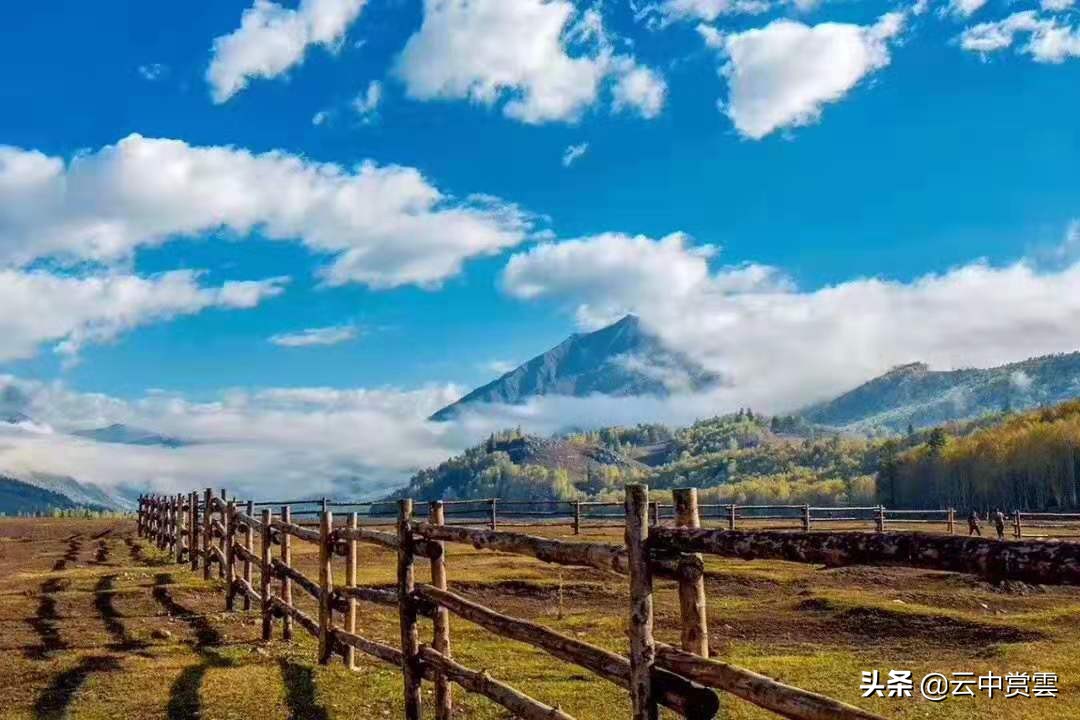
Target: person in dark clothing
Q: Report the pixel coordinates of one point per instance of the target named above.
(999, 523)
(973, 524)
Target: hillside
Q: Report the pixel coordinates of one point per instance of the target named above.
(46, 495)
(918, 396)
(622, 359)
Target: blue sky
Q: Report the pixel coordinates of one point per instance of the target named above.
(907, 169)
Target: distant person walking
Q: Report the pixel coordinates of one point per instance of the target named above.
(973, 524)
(999, 523)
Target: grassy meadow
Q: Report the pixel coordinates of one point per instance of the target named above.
(97, 624)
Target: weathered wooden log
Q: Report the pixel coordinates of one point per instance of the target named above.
(216, 556)
(410, 639)
(441, 626)
(229, 542)
(1036, 562)
(286, 561)
(266, 576)
(386, 653)
(326, 585)
(289, 528)
(244, 554)
(249, 558)
(245, 520)
(194, 530)
(694, 632)
(687, 699)
(518, 703)
(208, 535)
(244, 589)
(642, 651)
(217, 528)
(302, 619)
(784, 700)
(599, 555)
(349, 656)
(306, 584)
(367, 535)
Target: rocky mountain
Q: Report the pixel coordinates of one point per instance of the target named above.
(918, 396)
(128, 435)
(622, 359)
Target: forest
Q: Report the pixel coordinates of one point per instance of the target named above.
(1024, 461)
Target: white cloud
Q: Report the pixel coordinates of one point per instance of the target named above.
(384, 226)
(366, 103)
(574, 153)
(1021, 380)
(152, 71)
(612, 274)
(640, 89)
(713, 38)
(1048, 40)
(519, 54)
(320, 118)
(295, 441)
(782, 75)
(272, 38)
(1056, 5)
(39, 307)
(965, 8)
(332, 335)
(710, 10)
(782, 348)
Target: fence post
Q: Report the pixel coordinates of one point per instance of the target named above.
(264, 575)
(410, 640)
(193, 530)
(691, 574)
(326, 585)
(286, 583)
(249, 545)
(731, 517)
(1019, 526)
(444, 702)
(881, 518)
(164, 542)
(208, 533)
(228, 519)
(806, 518)
(138, 516)
(350, 581)
(181, 528)
(642, 646)
(577, 517)
(951, 521)
(494, 520)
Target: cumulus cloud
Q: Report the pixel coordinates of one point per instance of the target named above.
(272, 38)
(383, 226)
(641, 90)
(965, 8)
(573, 153)
(1056, 5)
(542, 59)
(612, 274)
(782, 75)
(152, 71)
(38, 307)
(781, 347)
(307, 441)
(710, 10)
(332, 335)
(1049, 40)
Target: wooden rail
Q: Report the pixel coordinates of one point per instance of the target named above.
(215, 529)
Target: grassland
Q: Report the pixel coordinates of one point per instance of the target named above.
(96, 624)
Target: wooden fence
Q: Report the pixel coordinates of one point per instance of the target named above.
(213, 530)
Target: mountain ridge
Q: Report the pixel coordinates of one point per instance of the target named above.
(621, 359)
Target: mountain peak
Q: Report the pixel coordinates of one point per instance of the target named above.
(621, 359)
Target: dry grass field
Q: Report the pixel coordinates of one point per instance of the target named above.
(96, 624)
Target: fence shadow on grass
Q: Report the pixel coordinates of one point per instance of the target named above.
(54, 701)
